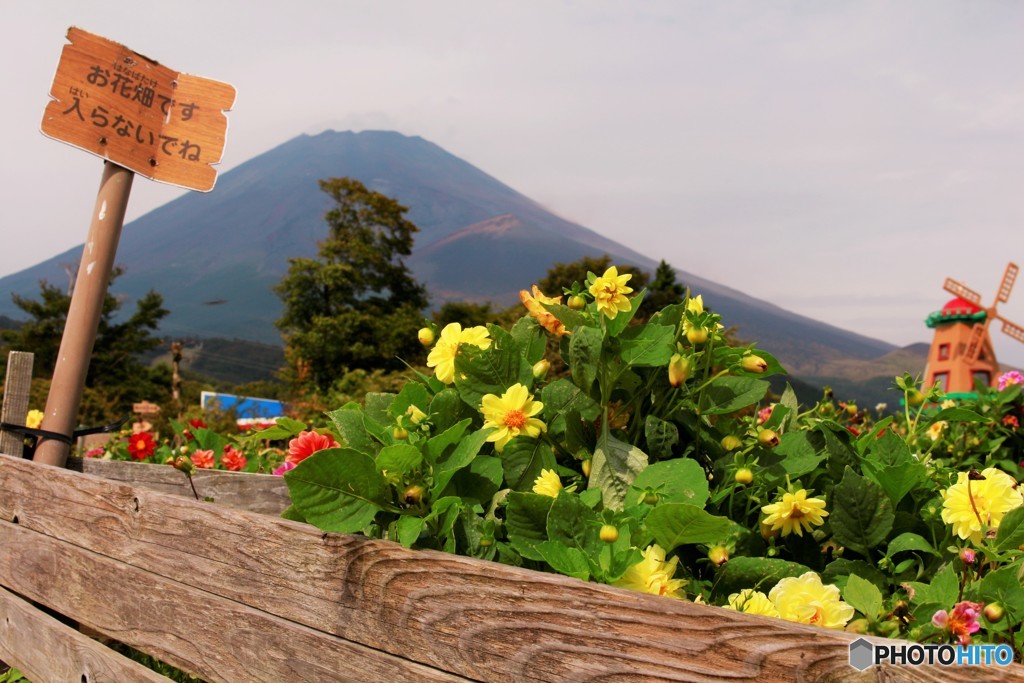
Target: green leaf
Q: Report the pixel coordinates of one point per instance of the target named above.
(944, 587)
(531, 338)
(730, 393)
(613, 469)
(492, 370)
(572, 320)
(438, 445)
(585, 356)
(799, 456)
(400, 459)
(617, 324)
(562, 397)
(838, 572)
(348, 420)
(680, 480)
(661, 436)
(526, 521)
(650, 346)
(1011, 530)
(910, 541)
(480, 480)
(840, 454)
(675, 524)
(337, 489)
(409, 529)
(861, 513)
(446, 409)
(1004, 586)
(412, 394)
(378, 409)
(292, 513)
(889, 450)
(671, 315)
(460, 457)
(957, 414)
(863, 596)
(789, 400)
(759, 573)
(569, 561)
(522, 459)
(574, 525)
(896, 480)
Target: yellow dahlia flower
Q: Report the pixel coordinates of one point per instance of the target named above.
(752, 602)
(653, 575)
(511, 414)
(442, 356)
(806, 600)
(936, 429)
(534, 304)
(547, 484)
(970, 504)
(610, 292)
(34, 419)
(795, 513)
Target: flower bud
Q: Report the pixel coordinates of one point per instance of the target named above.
(426, 336)
(697, 335)
(967, 555)
(993, 612)
(768, 438)
(730, 442)
(609, 534)
(400, 433)
(857, 626)
(718, 555)
(412, 495)
(585, 466)
(744, 476)
(679, 368)
(486, 542)
(183, 463)
(754, 363)
(576, 302)
(650, 498)
(915, 398)
(415, 414)
(540, 368)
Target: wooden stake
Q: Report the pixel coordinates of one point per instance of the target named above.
(84, 314)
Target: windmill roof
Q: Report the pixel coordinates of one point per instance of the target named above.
(957, 310)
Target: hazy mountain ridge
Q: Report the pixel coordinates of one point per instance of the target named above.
(215, 257)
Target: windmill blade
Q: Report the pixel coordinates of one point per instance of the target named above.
(974, 342)
(954, 287)
(1008, 277)
(1012, 330)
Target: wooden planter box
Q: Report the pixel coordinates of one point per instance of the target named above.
(235, 595)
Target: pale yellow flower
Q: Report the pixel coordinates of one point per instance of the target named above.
(34, 419)
(654, 575)
(415, 414)
(968, 505)
(511, 414)
(795, 513)
(806, 600)
(534, 305)
(610, 292)
(442, 356)
(547, 484)
(752, 602)
(695, 304)
(948, 403)
(936, 429)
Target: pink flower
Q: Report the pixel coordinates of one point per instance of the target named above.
(961, 622)
(279, 471)
(764, 414)
(306, 444)
(95, 452)
(1011, 421)
(967, 555)
(1010, 378)
(203, 459)
(233, 459)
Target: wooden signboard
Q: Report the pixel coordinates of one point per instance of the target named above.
(139, 114)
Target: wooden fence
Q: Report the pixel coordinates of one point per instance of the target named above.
(228, 592)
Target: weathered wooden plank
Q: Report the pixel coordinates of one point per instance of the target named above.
(215, 638)
(44, 649)
(17, 384)
(262, 493)
(479, 619)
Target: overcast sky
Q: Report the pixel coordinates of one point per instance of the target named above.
(840, 159)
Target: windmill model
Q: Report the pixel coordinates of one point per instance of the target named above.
(961, 351)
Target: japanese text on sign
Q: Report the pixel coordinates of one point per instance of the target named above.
(137, 113)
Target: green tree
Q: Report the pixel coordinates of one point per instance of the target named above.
(663, 291)
(356, 306)
(117, 375)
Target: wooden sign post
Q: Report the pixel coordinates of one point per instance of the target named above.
(142, 117)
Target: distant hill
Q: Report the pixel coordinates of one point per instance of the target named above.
(215, 257)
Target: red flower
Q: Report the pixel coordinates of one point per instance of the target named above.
(306, 444)
(1011, 421)
(141, 446)
(203, 459)
(233, 459)
(197, 423)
